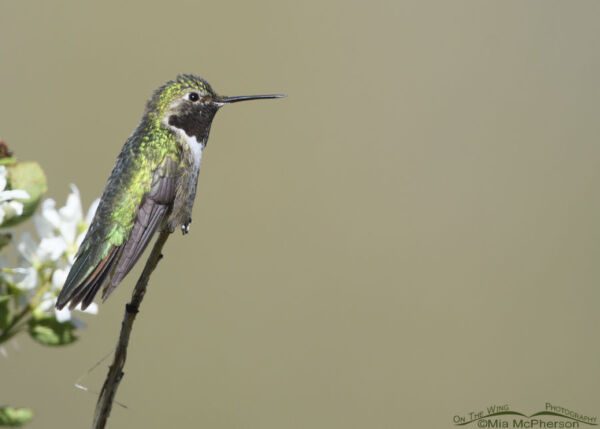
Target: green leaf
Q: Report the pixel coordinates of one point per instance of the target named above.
(4, 312)
(4, 239)
(9, 160)
(29, 177)
(10, 416)
(50, 332)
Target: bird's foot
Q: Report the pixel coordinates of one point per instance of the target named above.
(185, 228)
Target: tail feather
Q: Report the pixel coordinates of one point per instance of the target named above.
(82, 285)
(90, 287)
(95, 284)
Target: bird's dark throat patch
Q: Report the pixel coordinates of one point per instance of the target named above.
(194, 120)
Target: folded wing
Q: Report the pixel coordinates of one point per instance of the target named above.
(103, 263)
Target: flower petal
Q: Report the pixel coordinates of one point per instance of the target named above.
(47, 223)
(62, 315)
(14, 194)
(23, 278)
(92, 211)
(12, 209)
(46, 302)
(70, 215)
(27, 248)
(58, 278)
(51, 248)
(72, 209)
(92, 308)
(27, 279)
(2, 177)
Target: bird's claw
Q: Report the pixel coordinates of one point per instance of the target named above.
(185, 228)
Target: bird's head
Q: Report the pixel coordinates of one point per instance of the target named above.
(189, 104)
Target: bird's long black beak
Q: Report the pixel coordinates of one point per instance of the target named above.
(249, 97)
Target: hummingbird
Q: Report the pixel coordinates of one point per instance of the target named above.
(152, 186)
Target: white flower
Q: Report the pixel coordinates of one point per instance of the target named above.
(13, 194)
(61, 232)
(24, 278)
(47, 305)
(49, 300)
(51, 248)
(8, 207)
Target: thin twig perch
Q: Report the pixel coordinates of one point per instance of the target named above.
(115, 372)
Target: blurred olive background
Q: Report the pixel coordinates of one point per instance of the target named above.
(412, 234)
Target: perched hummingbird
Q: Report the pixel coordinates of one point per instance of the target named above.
(152, 186)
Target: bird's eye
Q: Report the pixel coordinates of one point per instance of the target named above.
(194, 96)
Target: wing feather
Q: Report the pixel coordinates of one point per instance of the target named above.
(87, 290)
(98, 259)
(153, 211)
